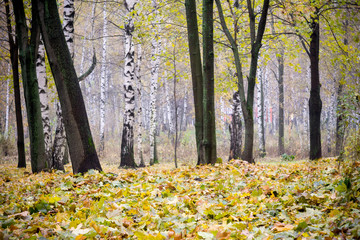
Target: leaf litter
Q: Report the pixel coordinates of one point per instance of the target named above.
(292, 200)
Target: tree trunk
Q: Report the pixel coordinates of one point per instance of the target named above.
(315, 103)
(27, 56)
(7, 110)
(196, 71)
(155, 51)
(260, 100)
(59, 148)
(15, 72)
(184, 125)
(176, 113)
(168, 107)
(247, 104)
(340, 128)
(139, 112)
(127, 142)
(280, 59)
(235, 129)
(68, 25)
(81, 146)
(44, 101)
(209, 135)
(103, 82)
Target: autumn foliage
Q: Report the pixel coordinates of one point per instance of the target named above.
(300, 199)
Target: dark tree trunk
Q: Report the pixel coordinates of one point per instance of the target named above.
(280, 60)
(209, 137)
(196, 71)
(27, 56)
(14, 57)
(81, 146)
(235, 129)
(315, 103)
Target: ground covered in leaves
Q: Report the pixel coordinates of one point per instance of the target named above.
(285, 200)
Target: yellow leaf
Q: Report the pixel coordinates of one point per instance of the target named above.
(281, 227)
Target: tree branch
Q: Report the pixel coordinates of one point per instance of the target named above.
(90, 70)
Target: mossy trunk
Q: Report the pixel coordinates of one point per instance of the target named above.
(14, 58)
(27, 56)
(196, 71)
(209, 136)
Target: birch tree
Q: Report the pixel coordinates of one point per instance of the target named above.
(103, 82)
(168, 106)
(260, 112)
(127, 141)
(139, 112)
(235, 128)
(7, 109)
(44, 100)
(60, 149)
(155, 52)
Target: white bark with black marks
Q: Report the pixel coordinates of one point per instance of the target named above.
(155, 50)
(7, 111)
(68, 25)
(139, 112)
(103, 84)
(168, 107)
(127, 143)
(44, 100)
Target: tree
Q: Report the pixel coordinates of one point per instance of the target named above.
(203, 80)
(81, 146)
(209, 136)
(139, 112)
(127, 141)
(279, 76)
(155, 52)
(14, 57)
(196, 72)
(27, 55)
(103, 83)
(256, 38)
(315, 103)
(260, 112)
(235, 128)
(44, 101)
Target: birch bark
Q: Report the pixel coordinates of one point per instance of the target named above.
(235, 128)
(103, 83)
(127, 143)
(260, 112)
(7, 110)
(168, 107)
(60, 150)
(139, 112)
(155, 50)
(44, 100)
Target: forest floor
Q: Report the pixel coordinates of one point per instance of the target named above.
(236, 200)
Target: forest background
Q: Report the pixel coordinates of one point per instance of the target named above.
(99, 27)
